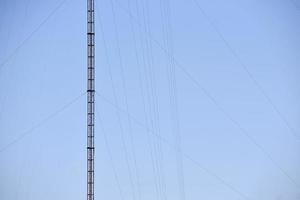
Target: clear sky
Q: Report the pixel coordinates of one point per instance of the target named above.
(196, 99)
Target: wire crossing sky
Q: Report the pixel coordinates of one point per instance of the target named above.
(195, 100)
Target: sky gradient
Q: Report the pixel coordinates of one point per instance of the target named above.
(219, 79)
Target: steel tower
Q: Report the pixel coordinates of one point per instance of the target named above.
(90, 98)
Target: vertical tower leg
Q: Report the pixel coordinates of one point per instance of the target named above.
(90, 98)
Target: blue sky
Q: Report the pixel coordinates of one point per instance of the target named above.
(230, 100)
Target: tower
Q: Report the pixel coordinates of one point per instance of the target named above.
(90, 98)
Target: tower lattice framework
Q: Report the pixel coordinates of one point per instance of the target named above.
(90, 98)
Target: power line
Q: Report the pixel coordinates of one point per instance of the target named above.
(110, 155)
(156, 163)
(124, 85)
(4, 62)
(161, 138)
(151, 91)
(42, 122)
(172, 86)
(216, 103)
(124, 146)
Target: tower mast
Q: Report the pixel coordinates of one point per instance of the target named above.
(90, 98)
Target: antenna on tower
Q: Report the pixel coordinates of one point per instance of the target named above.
(90, 98)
